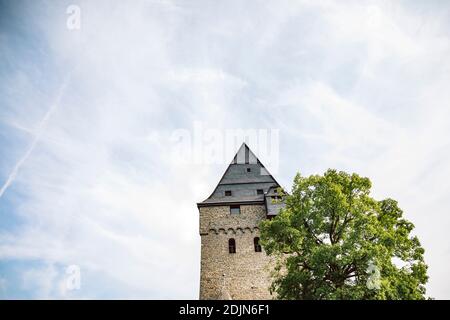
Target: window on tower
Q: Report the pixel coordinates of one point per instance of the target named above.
(228, 193)
(257, 245)
(231, 246)
(235, 209)
(259, 191)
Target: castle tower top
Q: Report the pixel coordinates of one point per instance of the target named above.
(245, 181)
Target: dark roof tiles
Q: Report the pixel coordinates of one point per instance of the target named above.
(243, 177)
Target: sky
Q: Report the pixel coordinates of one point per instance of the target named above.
(93, 94)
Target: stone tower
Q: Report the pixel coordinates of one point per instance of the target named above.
(233, 264)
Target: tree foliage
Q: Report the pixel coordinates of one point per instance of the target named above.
(334, 241)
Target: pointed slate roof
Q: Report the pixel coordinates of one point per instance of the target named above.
(243, 178)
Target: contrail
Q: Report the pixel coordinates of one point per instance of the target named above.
(40, 129)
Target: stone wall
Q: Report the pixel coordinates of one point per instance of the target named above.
(240, 275)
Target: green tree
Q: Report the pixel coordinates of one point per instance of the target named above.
(334, 241)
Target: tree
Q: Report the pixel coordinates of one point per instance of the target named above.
(333, 241)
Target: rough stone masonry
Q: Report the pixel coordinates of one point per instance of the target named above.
(233, 264)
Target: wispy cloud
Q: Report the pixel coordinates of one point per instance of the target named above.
(37, 135)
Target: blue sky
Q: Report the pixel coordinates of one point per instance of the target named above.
(86, 118)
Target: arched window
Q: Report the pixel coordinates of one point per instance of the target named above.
(231, 246)
(257, 245)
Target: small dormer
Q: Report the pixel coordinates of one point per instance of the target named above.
(274, 200)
